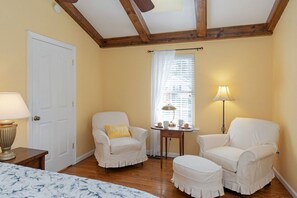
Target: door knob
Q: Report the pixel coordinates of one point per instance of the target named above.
(36, 118)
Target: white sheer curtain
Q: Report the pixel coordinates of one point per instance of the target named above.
(161, 64)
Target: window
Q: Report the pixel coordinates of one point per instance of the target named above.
(179, 89)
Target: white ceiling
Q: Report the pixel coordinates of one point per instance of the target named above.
(109, 18)
(224, 13)
(172, 21)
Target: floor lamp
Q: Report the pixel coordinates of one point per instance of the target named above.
(223, 95)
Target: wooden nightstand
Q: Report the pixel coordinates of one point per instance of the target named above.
(32, 158)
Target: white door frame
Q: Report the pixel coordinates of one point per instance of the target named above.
(34, 36)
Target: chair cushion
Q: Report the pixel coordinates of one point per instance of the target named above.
(189, 166)
(225, 156)
(117, 131)
(125, 144)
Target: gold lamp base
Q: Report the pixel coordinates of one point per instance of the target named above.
(7, 155)
(7, 136)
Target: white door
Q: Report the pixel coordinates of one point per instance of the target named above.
(51, 98)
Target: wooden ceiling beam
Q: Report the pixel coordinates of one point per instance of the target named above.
(136, 18)
(275, 14)
(201, 32)
(201, 17)
(238, 31)
(189, 36)
(81, 21)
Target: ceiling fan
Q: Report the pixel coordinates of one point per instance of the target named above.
(143, 5)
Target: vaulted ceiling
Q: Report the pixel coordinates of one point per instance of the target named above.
(115, 23)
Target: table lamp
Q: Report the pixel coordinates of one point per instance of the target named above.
(170, 107)
(12, 107)
(223, 95)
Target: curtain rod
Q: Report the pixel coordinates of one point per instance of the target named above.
(183, 49)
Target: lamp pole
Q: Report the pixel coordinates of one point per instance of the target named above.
(223, 126)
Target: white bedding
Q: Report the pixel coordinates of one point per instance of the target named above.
(19, 182)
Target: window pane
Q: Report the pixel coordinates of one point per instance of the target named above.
(179, 90)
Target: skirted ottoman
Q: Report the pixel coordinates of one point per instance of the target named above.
(197, 176)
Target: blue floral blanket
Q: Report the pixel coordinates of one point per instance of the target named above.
(20, 182)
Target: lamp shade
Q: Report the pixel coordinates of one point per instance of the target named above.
(223, 94)
(12, 106)
(168, 107)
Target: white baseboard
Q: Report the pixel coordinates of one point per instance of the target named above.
(285, 183)
(168, 154)
(171, 154)
(84, 156)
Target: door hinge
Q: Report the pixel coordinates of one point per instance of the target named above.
(72, 145)
(72, 103)
(72, 61)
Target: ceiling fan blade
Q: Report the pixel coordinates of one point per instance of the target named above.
(144, 5)
(70, 1)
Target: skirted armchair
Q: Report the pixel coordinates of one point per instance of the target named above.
(122, 151)
(246, 153)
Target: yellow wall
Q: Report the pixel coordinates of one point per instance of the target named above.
(285, 93)
(244, 64)
(16, 18)
(119, 78)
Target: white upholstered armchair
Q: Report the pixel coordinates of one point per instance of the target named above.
(246, 153)
(118, 152)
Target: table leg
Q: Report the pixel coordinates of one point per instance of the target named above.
(183, 143)
(165, 147)
(180, 145)
(161, 147)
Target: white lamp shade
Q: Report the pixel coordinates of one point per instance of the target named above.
(223, 94)
(12, 106)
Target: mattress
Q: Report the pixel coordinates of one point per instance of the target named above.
(18, 181)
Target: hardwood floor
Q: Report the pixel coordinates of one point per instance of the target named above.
(151, 178)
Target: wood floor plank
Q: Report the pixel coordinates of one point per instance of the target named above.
(151, 178)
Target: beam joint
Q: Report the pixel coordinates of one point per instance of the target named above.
(136, 18)
(275, 14)
(201, 17)
(81, 20)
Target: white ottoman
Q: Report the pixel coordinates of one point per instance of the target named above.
(197, 176)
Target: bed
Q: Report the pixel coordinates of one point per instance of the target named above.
(18, 181)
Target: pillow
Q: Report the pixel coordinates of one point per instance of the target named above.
(117, 131)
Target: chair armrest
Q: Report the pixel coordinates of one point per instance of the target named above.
(207, 142)
(100, 137)
(138, 133)
(257, 152)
